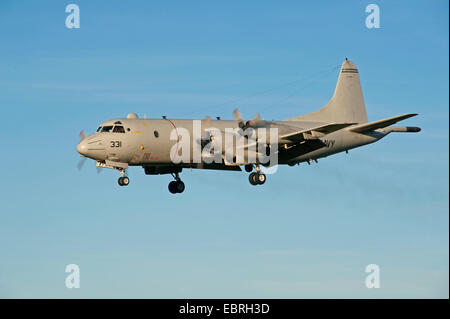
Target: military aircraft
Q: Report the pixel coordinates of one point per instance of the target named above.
(339, 126)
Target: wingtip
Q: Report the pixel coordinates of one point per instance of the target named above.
(413, 129)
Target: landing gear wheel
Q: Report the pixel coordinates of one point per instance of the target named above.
(179, 186)
(260, 178)
(257, 178)
(176, 187)
(123, 181)
(173, 187)
(252, 179)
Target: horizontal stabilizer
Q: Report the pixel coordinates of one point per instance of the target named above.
(380, 124)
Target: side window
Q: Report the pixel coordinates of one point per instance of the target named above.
(107, 128)
(118, 129)
(99, 128)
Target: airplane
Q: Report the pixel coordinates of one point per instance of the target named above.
(339, 126)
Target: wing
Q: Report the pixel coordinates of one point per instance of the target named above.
(297, 136)
(290, 136)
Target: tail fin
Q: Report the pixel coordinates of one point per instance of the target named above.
(347, 103)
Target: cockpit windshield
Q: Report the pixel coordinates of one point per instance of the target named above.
(111, 128)
(107, 128)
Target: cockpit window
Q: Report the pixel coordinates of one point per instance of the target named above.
(118, 129)
(117, 122)
(107, 128)
(99, 128)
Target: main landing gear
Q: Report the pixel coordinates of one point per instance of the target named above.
(124, 180)
(176, 186)
(255, 178)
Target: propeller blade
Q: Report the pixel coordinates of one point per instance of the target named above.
(82, 135)
(253, 122)
(81, 163)
(249, 124)
(237, 116)
(205, 137)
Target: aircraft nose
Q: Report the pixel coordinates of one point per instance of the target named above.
(82, 148)
(92, 147)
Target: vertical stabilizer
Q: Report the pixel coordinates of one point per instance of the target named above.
(347, 103)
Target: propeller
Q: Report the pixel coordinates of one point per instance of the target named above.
(81, 163)
(238, 117)
(82, 135)
(254, 122)
(244, 125)
(82, 160)
(206, 135)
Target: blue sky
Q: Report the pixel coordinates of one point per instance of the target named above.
(309, 232)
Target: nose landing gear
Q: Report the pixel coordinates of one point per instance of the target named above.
(176, 186)
(124, 180)
(121, 167)
(256, 178)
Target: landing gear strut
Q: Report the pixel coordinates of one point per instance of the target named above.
(256, 178)
(176, 186)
